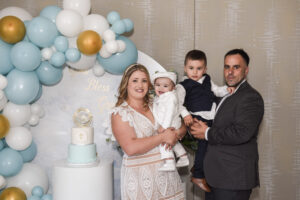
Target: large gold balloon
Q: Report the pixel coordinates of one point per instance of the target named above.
(13, 193)
(4, 126)
(12, 29)
(89, 42)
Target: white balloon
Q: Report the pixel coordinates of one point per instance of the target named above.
(21, 13)
(96, 23)
(2, 95)
(18, 138)
(33, 120)
(104, 53)
(121, 46)
(36, 109)
(46, 53)
(81, 6)
(30, 176)
(17, 115)
(109, 35)
(85, 62)
(3, 82)
(2, 182)
(69, 23)
(3, 102)
(111, 46)
(98, 70)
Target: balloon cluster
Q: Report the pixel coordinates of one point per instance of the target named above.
(38, 194)
(34, 52)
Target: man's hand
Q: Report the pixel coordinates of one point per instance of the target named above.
(198, 129)
(188, 120)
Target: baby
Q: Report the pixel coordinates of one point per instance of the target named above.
(167, 114)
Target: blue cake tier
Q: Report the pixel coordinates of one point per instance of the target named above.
(82, 154)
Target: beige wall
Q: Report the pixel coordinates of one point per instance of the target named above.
(268, 30)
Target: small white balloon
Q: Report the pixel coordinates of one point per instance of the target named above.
(104, 53)
(69, 23)
(46, 53)
(109, 35)
(121, 46)
(18, 138)
(36, 109)
(21, 13)
(17, 115)
(30, 176)
(3, 82)
(3, 102)
(81, 6)
(98, 70)
(2, 95)
(2, 182)
(96, 23)
(33, 120)
(111, 46)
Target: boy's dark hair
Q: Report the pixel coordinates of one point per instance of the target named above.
(195, 55)
(241, 52)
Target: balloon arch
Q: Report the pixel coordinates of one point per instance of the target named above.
(34, 53)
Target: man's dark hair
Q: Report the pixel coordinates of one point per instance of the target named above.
(241, 52)
(195, 55)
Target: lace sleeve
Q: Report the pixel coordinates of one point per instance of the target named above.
(125, 115)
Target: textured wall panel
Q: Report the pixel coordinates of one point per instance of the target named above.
(268, 30)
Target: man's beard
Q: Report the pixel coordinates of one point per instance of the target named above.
(235, 85)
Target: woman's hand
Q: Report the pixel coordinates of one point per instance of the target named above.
(169, 137)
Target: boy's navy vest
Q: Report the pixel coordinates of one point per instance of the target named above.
(199, 97)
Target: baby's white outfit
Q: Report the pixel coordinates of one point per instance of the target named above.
(166, 111)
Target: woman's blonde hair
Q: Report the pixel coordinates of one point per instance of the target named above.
(123, 93)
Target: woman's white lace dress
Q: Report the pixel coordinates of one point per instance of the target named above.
(140, 178)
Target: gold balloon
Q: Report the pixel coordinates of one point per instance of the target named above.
(13, 193)
(4, 126)
(89, 42)
(12, 29)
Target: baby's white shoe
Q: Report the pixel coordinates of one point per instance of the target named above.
(169, 165)
(183, 161)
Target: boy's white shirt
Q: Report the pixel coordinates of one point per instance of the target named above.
(219, 91)
(166, 110)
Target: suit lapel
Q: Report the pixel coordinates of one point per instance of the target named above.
(223, 102)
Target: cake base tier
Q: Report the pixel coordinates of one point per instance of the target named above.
(78, 154)
(93, 182)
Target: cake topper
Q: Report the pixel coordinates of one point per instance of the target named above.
(82, 117)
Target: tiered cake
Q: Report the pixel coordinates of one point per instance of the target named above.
(82, 176)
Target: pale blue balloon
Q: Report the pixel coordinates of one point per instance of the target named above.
(11, 162)
(1, 145)
(26, 38)
(42, 31)
(50, 12)
(73, 54)
(37, 191)
(25, 56)
(29, 153)
(58, 59)
(119, 27)
(38, 96)
(47, 197)
(22, 87)
(34, 198)
(5, 61)
(128, 24)
(61, 43)
(48, 74)
(117, 63)
(113, 16)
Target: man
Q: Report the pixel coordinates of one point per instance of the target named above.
(231, 160)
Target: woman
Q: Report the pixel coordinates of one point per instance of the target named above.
(133, 127)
